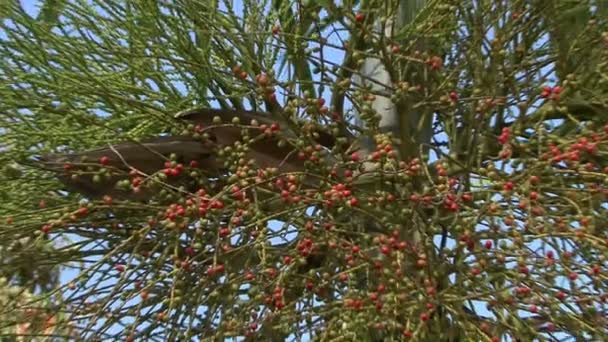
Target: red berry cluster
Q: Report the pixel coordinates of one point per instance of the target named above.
(173, 169)
(504, 136)
(266, 87)
(338, 193)
(551, 92)
(239, 72)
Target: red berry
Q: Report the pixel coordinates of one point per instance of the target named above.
(262, 80)
(310, 285)
(534, 195)
(385, 250)
(360, 17)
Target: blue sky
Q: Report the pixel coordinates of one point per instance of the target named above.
(31, 7)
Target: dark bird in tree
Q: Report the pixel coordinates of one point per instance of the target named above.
(267, 144)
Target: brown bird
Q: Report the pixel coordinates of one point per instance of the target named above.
(148, 157)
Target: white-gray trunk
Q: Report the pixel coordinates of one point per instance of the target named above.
(410, 128)
(374, 76)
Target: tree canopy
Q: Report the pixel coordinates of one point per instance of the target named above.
(448, 173)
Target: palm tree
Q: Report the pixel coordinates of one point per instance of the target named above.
(382, 170)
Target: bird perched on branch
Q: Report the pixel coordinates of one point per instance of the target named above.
(267, 147)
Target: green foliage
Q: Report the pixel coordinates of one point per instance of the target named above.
(494, 229)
